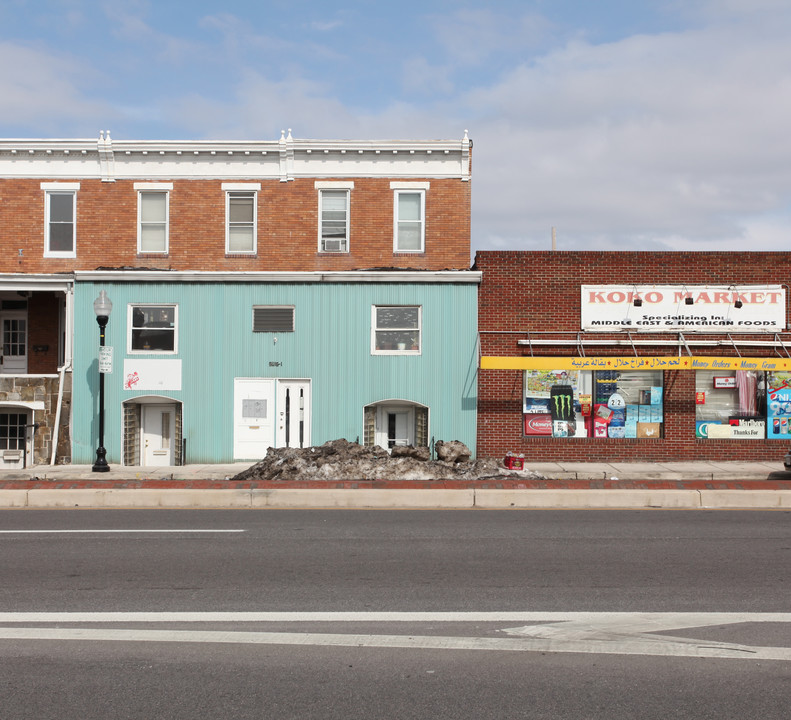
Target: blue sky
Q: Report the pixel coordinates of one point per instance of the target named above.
(625, 124)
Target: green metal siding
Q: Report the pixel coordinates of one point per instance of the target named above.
(331, 346)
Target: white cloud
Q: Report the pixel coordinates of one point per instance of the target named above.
(48, 92)
(642, 141)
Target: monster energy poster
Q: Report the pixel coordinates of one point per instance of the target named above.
(561, 407)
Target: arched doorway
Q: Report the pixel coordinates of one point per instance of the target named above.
(153, 431)
(396, 422)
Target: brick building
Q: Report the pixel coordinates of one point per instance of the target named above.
(150, 216)
(629, 356)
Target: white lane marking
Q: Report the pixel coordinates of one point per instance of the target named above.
(675, 648)
(626, 621)
(130, 530)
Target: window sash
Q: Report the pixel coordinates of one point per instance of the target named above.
(153, 221)
(397, 329)
(153, 328)
(409, 221)
(241, 222)
(334, 220)
(60, 211)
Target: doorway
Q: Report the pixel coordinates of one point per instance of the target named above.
(14, 442)
(270, 412)
(13, 358)
(157, 435)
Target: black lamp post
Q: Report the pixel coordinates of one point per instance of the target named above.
(102, 307)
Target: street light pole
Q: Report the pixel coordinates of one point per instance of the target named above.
(102, 307)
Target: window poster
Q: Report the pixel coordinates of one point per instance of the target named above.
(778, 406)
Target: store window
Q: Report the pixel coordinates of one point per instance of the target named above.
(593, 404)
(743, 405)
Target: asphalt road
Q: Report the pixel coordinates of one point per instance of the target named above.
(394, 614)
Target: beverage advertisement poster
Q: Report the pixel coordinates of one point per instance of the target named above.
(778, 405)
(538, 383)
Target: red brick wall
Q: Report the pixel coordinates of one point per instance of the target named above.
(287, 228)
(523, 292)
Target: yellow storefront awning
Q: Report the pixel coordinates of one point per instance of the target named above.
(489, 362)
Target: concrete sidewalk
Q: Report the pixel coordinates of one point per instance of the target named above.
(569, 485)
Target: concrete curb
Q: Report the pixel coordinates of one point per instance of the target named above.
(745, 498)
(587, 498)
(394, 498)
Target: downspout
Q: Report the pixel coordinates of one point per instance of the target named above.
(67, 360)
(53, 457)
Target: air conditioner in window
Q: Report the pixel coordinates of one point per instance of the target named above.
(334, 245)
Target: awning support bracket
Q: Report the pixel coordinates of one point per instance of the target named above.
(683, 341)
(631, 340)
(733, 342)
(782, 346)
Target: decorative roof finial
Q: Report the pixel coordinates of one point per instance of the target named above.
(289, 135)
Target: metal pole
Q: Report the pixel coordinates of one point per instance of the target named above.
(101, 454)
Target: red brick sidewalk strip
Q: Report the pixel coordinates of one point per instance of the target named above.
(480, 484)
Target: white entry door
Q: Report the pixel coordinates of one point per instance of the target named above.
(293, 413)
(395, 425)
(159, 423)
(253, 417)
(14, 347)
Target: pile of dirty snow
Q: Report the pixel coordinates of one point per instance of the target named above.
(344, 460)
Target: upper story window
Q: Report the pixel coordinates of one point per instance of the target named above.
(409, 223)
(396, 330)
(60, 213)
(241, 217)
(152, 216)
(153, 328)
(334, 216)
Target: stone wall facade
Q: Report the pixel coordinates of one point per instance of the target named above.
(37, 389)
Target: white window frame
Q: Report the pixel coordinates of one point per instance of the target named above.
(396, 351)
(142, 189)
(337, 187)
(130, 328)
(409, 188)
(238, 189)
(56, 188)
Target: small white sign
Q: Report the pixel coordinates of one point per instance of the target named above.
(151, 374)
(105, 359)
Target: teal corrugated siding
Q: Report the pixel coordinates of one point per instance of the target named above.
(331, 346)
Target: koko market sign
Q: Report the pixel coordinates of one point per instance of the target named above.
(667, 308)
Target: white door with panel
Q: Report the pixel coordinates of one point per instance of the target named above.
(293, 413)
(159, 424)
(269, 412)
(253, 417)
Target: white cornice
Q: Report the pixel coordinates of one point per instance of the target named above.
(284, 159)
(356, 276)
